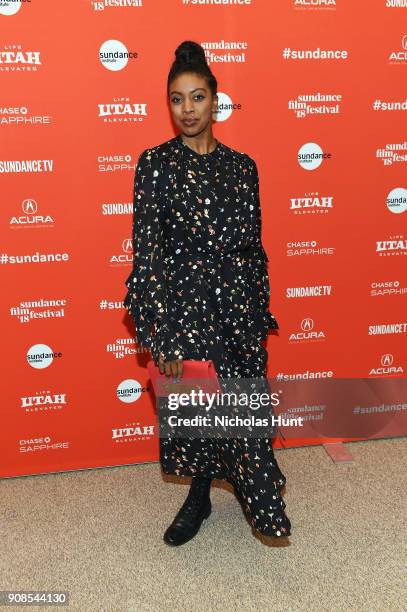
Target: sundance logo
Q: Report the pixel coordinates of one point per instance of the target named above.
(121, 110)
(397, 200)
(113, 55)
(30, 216)
(310, 156)
(129, 391)
(41, 356)
(11, 7)
(225, 107)
(308, 332)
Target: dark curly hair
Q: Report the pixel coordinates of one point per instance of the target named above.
(190, 57)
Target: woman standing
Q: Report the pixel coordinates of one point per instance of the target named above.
(199, 289)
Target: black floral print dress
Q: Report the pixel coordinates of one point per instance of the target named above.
(199, 289)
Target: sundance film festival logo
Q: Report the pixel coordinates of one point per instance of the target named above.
(122, 110)
(126, 257)
(123, 347)
(393, 153)
(310, 156)
(43, 401)
(311, 203)
(225, 52)
(394, 246)
(308, 332)
(40, 309)
(114, 55)
(315, 104)
(101, 5)
(14, 58)
(30, 217)
(400, 56)
(11, 7)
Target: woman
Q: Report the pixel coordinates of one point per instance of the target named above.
(199, 290)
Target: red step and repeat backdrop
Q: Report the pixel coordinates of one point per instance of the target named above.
(314, 90)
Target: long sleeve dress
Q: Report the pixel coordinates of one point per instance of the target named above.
(199, 289)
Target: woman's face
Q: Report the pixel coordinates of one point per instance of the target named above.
(192, 103)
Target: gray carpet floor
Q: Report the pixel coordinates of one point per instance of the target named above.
(98, 534)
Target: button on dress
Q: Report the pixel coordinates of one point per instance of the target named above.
(199, 289)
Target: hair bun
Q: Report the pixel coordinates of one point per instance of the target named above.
(190, 52)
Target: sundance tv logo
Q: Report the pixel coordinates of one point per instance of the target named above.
(114, 55)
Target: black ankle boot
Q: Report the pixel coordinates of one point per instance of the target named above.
(189, 517)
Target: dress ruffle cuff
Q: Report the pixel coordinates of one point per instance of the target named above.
(152, 333)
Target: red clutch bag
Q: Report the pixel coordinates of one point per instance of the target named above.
(196, 375)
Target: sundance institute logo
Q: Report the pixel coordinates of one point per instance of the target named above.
(114, 55)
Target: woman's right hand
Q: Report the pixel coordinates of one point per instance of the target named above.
(174, 367)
